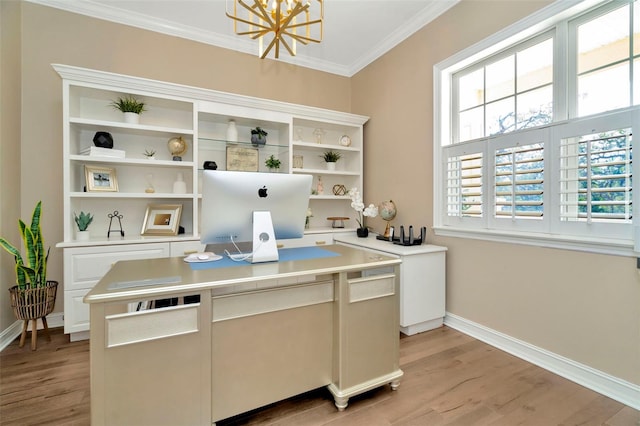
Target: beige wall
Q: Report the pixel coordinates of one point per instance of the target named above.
(582, 306)
(9, 147)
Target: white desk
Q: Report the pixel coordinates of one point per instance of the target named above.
(257, 334)
(422, 280)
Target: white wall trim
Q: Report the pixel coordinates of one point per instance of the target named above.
(8, 335)
(598, 381)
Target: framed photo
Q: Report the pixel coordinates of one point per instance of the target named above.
(242, 159)
(162, 219)
(100, 179)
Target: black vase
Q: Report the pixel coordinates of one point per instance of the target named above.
(103, 140)
(362, 232)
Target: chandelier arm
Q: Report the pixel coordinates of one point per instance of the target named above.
(304, 24)
(266, 51)
(244, 21)
(302, 39)
(286, 45)
(263, 13)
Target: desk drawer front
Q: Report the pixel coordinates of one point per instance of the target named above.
(372, 287)
(260, 302)
(136, 327)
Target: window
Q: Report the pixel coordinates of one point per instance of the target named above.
(536, 137)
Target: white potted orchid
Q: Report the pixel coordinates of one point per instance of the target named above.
(362, 211)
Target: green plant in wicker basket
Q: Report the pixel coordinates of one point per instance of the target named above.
(83, 220)
(31, 271)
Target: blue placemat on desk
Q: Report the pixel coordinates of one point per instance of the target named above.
(286, 254)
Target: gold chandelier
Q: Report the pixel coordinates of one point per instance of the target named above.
(283, 18)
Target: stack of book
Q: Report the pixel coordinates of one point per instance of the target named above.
(95, 151)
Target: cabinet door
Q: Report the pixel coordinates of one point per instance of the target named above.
(85, 266)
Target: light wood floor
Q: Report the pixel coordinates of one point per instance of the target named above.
(450, 379)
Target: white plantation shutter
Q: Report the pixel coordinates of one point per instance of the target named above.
(464, 177)
(595, 182)
(519, 182)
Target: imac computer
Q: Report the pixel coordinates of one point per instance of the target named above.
(253, 207)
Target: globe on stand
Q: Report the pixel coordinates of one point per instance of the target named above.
(177, 148)
(388, 212)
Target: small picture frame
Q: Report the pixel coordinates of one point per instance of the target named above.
(100, 179)
(162, 219)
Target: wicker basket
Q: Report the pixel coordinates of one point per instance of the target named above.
(33, 303)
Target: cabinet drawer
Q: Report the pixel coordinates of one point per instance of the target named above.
(185, 248)
(308, 240)
(85, 266)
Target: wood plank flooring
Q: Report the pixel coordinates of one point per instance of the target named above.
(450, 379)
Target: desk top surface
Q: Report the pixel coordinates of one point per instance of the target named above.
(163, 276)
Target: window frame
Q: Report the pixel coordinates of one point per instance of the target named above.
(549, 232)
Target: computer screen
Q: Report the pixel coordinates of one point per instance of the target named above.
(230, 201)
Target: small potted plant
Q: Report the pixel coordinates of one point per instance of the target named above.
(83, 221)
(33, 296)
(131, 107)
(272, 163)
(150, 154)
(331, 157)
(258, 136)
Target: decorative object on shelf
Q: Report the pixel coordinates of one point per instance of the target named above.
(177, 148)
(331, 157)
(339, 190)
(362, 212)
(232, 131)
(308, 217)
(150, 188)
(179, 186)
(33, 296)
(83, 221)
(161, 219)
(280, 18)
(337, 221)
(272, 163)
(258, 136)
(299, 131)
(318, 134)
(298, 161)
(320, 186)
(131, 107)
(150, 154)
(242, 159)
(100, 179)
(111, 216)
(103, 140)
(210, 165)
(388, 212)
(345, 140)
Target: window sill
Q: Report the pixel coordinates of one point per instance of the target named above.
(612, 247)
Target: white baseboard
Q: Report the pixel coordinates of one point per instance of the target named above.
(14, 330)
(598, 381)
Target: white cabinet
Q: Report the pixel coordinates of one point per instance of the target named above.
(422, 280)
(84, 266)
(201, 118)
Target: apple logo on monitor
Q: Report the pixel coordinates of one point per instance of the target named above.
(262, 192)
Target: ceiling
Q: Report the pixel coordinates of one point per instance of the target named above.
(356, 32)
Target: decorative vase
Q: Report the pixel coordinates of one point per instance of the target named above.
(258, 140)
(362, 232)
(232, 131)
(180, 186)
(131, 118)
(82, 235)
